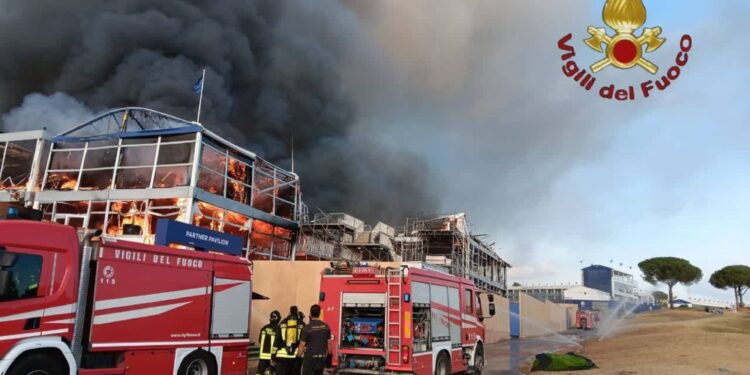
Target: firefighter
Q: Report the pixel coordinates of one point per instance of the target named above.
(268, 344)
(313, 345)
(288, 334)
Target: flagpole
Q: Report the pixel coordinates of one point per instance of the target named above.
(200, 100)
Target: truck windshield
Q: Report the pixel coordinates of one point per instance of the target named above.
(19, 275)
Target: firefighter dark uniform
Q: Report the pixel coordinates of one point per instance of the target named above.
(267, 342)
(287, 341)
(315, 336)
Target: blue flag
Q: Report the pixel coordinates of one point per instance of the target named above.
(198, 85)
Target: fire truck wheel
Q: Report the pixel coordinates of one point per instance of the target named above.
(39, 363)
(479, 359)
(199, 362)
(443, 365)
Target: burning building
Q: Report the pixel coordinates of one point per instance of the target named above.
(340, 236)
(125, 169)
(447, 242)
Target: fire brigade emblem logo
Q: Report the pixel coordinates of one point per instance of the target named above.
(109, 272)
(624, 44)
(624, 50)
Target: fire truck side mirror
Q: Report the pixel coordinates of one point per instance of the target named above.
(492, 309)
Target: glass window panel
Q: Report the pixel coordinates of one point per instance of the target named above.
(262, 181)
(284, 209)
(73, 207)
(213, 159)
(22, 276)
(181, 153)
(178, 138)
(236, 218)
(260, 226)
(98, 206)
(237, 191)
(282, 232)
(126, 218)
(210, 210)
(171, 177)
(96, 180)
(66, 160)
(206, 222)
(211, 182)
(17, 165)
(61, 181)
(68, 145)
(260, 243)
(287, 192)
(281, 248)
(101, 158)
(136, 178)
(96, 221)
(239, 171)
(104, 143)
(139, 141)
(263, 202)
(137, 156)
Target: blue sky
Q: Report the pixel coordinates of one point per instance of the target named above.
(556, 176)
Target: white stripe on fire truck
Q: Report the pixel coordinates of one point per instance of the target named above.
(33, 334)
(135, 314)
(150, 298)
(164, 343)
(57, 310)
(146, 343)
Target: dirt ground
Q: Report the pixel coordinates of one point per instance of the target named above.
(675, 342)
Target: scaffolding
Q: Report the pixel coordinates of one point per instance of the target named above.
(447, 241)
(340, 236)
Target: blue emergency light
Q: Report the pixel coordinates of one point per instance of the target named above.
(407, 297)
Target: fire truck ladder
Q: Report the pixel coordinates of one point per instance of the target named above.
(393, 351)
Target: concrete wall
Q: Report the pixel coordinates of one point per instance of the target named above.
(497, 328)
(542, 318)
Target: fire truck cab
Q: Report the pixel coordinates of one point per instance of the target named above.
(584, 319)
(119, 307)
(407, 319)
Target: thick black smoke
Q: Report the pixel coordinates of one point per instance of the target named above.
(273, 74)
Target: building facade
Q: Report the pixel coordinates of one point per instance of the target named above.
(127, 168)
(619, 285)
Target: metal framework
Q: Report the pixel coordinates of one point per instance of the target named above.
(339, 236)
(447, 241)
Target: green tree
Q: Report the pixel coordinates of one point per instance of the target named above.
(736, 277)
(670, 271)
(660, 297)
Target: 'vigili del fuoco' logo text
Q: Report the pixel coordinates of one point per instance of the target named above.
(623, 49)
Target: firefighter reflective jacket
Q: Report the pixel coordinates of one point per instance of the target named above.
(288, 335)
(267, 341)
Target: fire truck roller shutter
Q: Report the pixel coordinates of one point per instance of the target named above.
(231, 307)
(454, 316)
(440, 318)
(420, 292)
(366, 299)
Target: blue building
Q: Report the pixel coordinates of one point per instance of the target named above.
(619, 285)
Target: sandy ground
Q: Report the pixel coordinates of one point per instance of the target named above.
(674, 342)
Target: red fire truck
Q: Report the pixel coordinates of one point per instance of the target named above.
(584, 319)
(119, 307)
(407, 319)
